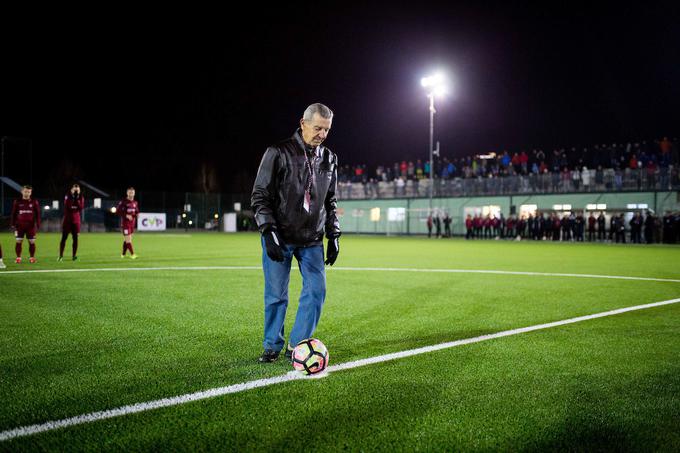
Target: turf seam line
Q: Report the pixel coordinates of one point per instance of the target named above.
(360, 269)
(292, 376)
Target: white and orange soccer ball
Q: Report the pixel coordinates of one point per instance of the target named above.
(310, 356)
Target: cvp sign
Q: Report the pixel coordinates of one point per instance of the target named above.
(149, 221)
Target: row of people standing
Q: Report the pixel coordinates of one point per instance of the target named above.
(574, 226)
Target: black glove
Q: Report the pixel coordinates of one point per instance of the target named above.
(332, 250)
(273, 244)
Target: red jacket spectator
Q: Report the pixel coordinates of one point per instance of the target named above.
(633, 163)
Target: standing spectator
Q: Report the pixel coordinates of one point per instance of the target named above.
(618, 179)
(494, 227)
(400, 186)
(636, 229)
(478, 223)
(599, 178)
(658, 229)
(651, 174)
(429, 226)
(521, 227)
(523, 161)
(576, 179)
(555, 181)
(516, 163)
(579, 224)
(621, 229)
(613, 225)
(547, 227)
(585, 178)
(501, 226)
(468, 227)
(592, 221)
(601, 226)
(539, 227)
(566, 229)
(668, 227)
(447, 225)
(487, 227)
(510, 227)
(566, 179)
(438, 226)
(649, 228)
(557, 226)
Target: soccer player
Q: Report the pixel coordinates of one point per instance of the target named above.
(128, 209)
(2, 265)
(25, 219)
(74, 203)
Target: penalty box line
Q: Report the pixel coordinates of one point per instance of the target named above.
(358, 269)
(293, 376)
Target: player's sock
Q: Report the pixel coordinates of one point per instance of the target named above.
(132, 252)
(62, 244)
(31, 249)
(124, 247)
(17, 249)
(75, 245)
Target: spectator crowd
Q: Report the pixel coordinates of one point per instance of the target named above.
(651, 165)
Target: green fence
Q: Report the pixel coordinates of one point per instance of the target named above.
(409, 216)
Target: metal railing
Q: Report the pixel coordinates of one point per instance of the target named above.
(607, 180)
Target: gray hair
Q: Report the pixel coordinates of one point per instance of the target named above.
(322, 110)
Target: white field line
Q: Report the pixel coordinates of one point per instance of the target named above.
(358, 269)
(292, 376)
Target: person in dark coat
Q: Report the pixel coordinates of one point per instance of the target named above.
(649, 228)
(636, 229)
(601, 227)
(620, 229)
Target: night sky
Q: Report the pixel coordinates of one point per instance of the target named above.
(122, 98)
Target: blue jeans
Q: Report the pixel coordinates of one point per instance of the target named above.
(276, 279)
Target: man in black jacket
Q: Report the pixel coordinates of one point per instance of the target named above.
(649, 228)
(294, 202)
(636, 228)
(601, 227)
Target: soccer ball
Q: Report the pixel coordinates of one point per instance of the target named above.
(310, 356)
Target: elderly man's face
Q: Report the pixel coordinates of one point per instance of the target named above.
(314, 132)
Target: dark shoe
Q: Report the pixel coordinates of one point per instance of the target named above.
(289, 354)
(268, 356)
(75, 258)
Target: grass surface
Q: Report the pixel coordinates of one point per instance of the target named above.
(74, 343)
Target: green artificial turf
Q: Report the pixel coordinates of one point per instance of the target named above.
(74, 343)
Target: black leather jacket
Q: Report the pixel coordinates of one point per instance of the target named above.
(278, 193)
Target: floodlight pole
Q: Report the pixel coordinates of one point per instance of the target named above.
(2, 173)
(432, 112)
